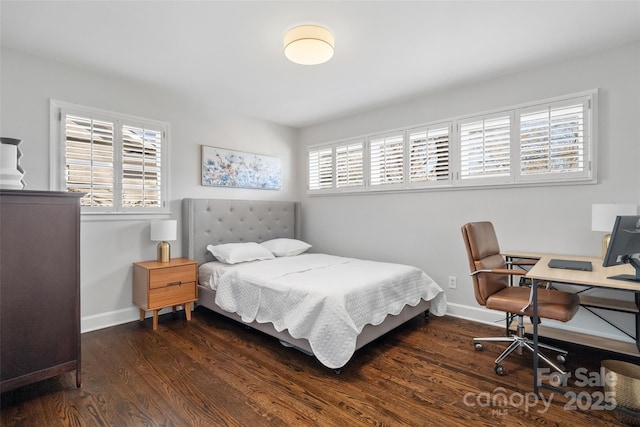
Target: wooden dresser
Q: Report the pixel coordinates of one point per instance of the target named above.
(39, 286)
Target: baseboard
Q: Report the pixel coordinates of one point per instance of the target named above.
(476, 314)
(472, 313)
(114, 318)
(495, 318)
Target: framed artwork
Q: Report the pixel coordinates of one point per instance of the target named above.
(227, 168)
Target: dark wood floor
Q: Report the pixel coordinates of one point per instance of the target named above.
(212, 371)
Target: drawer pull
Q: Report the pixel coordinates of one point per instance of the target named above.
(174, 283)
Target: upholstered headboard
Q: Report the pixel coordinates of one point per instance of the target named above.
(213, 222)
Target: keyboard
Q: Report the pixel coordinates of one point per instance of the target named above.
(571, 265)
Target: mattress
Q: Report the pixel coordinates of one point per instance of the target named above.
(324, 299)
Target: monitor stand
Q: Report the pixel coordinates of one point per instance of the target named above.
(629, 277)
(625, 277)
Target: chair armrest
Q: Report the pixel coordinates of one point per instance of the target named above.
(501, 271)
(523, 262)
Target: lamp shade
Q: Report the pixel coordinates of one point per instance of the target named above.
(163, 230)
(308, 44)
(603, 215)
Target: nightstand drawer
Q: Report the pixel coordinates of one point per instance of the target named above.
(172, 295)
(171, 276)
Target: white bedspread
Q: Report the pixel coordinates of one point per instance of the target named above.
(323, 298)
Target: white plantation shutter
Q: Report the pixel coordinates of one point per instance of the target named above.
(89, 150)
(429, 154)
(386, 159)
(141, 167)
(542, 142)
(485, 147)
(321, 169)
(350, 165)
(552, 138)
(119, 161)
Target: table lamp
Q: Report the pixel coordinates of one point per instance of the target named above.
(161, 231)
(603, 217)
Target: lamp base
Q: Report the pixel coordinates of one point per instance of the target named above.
(164, 252)
(605, 244)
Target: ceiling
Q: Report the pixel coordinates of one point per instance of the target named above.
(229, 54)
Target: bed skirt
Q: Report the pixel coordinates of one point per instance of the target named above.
(206, 298)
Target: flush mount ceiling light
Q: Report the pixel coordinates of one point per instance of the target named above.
(308, 44)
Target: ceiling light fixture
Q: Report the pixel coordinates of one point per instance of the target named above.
(308, 44)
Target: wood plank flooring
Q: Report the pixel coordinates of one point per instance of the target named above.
(214, 372)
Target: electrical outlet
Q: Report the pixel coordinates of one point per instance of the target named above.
(452, 282)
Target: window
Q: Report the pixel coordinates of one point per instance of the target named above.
(89, 159)
(349, 165)
(387, 159)
(485, 147)
(141, 167)
(116, 160)
(321, 169)
(346, 159)
(539, 143)
(429, 154)
(553, 139)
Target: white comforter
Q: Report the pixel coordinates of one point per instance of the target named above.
(323, 298)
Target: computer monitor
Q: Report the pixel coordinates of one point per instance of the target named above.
(624, 247)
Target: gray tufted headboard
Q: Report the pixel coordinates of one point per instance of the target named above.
(213, 221)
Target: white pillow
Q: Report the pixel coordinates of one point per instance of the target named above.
(286, 247)
(233, 253)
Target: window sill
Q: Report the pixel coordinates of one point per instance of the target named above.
(122, 216)
(455, 187)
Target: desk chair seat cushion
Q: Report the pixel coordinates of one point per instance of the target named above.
(552, 304)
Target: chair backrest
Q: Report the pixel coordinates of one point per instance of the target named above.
(483, 252)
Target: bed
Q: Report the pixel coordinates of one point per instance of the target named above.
(243, 293)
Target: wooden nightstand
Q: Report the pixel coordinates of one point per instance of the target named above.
(157, 285)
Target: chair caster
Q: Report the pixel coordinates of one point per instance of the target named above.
(561, 358)
(499, 369)
(478, 346)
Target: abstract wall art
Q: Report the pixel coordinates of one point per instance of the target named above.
(228, 168)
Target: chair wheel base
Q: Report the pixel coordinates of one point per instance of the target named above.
(499, 369)
(478, 346)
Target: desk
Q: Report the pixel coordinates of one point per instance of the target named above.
(596, 278)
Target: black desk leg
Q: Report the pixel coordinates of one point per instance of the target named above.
(638, 320)
(536, 320)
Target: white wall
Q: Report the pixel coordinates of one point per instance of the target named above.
(423, 228)
(109, 247)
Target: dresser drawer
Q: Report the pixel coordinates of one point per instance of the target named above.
(171, 276)
(172, 295)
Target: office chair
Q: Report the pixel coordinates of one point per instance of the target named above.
(491, 285)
